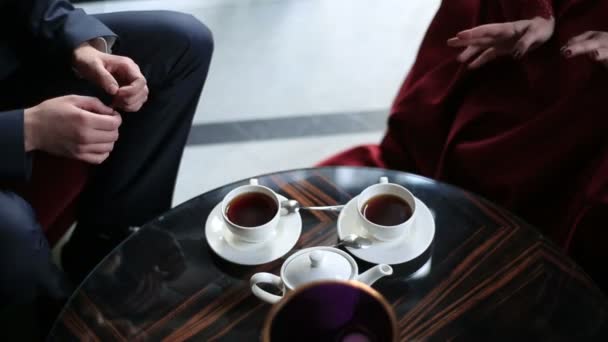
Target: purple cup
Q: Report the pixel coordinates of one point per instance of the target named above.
(335, 310)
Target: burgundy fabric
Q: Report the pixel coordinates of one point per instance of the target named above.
(529, 135)
(53, 191)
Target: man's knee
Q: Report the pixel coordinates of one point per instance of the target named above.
(16, 216)
(194, 38)
(21, 246)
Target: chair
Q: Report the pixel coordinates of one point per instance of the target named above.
(53, 192)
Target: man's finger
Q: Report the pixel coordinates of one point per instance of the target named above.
(485, 57)
(101, 122)
(131, 104)
(131, 98)
(94, 136)
(139, 98)
(124, 68)
(134, 105)
(96, 148)
(92, 104)
(93, 158)
(135, 88)
(106, 80)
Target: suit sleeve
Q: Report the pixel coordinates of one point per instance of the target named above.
(58, 26)
(15, 164)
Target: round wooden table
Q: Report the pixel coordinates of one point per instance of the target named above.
(487, 275)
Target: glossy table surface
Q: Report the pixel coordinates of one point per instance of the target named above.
(487, 275)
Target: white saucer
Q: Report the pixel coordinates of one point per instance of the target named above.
(230, 248)
(405, 248)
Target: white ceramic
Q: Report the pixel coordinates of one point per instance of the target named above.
(258, 233)
(223, 242)
(314, 264)
(403, 249)
(380, 232)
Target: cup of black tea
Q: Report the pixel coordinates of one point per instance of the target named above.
(386, 210)
(332, 311)
(252, 212)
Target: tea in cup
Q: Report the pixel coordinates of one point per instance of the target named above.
(252, 212)
(386, 210)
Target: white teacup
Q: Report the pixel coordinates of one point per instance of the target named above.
(254, 234)
(380, 232)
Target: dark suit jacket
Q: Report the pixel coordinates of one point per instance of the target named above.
(54, 28)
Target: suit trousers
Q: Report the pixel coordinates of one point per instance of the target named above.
(136, 183)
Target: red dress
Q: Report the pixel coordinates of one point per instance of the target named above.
(530, 135)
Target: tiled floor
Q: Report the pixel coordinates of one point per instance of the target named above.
(312, 76)
(207, 167)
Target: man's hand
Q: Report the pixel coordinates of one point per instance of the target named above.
(488, 42)
(591, 43)
(76, 127)
(119, 76)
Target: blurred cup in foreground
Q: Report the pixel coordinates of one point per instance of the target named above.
(336, 311)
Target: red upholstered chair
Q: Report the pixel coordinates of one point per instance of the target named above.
(53, 192)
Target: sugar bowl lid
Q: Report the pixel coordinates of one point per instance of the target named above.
(318, 263)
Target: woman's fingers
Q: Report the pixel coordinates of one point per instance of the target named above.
(601, 55)
(529, 41)
(583, 48)
(487, 32)
(582, 37)
(586, 43)
(455, 42)
(493, 40)
(483, 35)
(468, 53)
(484, 58)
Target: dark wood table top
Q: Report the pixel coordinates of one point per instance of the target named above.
(491, 275)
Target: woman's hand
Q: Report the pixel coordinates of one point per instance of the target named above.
(591, 43)
(488, 42)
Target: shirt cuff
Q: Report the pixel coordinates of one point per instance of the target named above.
(103, 44)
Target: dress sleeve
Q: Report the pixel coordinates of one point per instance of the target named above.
(527, 9)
